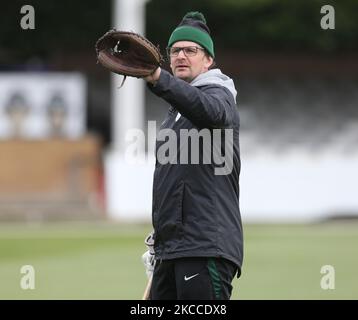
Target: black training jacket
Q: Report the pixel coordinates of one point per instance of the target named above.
(195, 211)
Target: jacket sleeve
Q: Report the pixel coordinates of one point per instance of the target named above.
(209, 106)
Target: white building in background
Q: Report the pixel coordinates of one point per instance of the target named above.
(298, 186)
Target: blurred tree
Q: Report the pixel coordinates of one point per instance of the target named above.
(249, 25)
(60, 27)
(256, 25)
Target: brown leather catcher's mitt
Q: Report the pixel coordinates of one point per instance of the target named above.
(127, 53)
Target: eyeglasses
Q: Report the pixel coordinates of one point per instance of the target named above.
(188, 51)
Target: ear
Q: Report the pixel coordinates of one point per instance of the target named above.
(208, 61)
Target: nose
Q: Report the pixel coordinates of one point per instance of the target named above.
(181, 54)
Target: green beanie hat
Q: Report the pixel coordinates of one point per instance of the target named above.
(193, 28)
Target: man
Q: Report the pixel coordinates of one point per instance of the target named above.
(198, 240)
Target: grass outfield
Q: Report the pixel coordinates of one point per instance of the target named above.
(103, 261)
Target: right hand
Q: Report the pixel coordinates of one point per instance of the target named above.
(154, 77)
(149, 263)
(148, 257)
